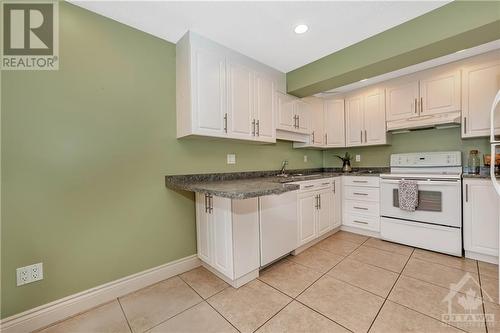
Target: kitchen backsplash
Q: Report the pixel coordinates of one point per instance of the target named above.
(425, 140)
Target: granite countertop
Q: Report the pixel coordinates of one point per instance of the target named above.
(244, 185)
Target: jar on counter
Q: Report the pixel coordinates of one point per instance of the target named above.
(474, 165)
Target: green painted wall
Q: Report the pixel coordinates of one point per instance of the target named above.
(84, 153)
(425, 140)
(450, 28)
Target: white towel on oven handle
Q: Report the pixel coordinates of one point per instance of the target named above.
(408, 195)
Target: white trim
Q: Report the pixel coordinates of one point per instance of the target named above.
(359, 231)
(481, 257)
(58, 310)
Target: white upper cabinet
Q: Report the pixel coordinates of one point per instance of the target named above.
(365, 118)
(303, 117)
(287, 120)
(334, 123)
(402, 99)
(480, 84)
(440, 93)
(221, 93)
(354, 120)
(265, 90)
(209, 91)
(240, 101)
(374, 117)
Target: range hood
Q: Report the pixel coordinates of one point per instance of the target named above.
(441, 120)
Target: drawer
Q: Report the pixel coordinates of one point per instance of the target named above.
(362, 207)
(314, 184)
(361, 221)
(361, 181)
(362, 193)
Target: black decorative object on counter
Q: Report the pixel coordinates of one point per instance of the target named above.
(346, 162)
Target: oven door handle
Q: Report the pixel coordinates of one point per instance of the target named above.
(423, 181)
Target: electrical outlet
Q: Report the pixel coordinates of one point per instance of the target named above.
(358, 158)
(305, 158)
(28, 274)
(231, 159)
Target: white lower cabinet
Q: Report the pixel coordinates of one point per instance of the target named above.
(361, 204)
(481, 215)
(228, 237)
(318, 208)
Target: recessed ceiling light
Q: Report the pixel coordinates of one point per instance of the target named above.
(301, 28)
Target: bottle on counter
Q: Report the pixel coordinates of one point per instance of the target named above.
(474, 165)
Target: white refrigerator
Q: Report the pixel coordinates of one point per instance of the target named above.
(495, 146)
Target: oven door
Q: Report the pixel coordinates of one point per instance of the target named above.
(439, 202)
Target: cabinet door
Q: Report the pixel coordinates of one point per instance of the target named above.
(209, 92)
(303, 113)
(354, 120)
(317, 117)
(286, 112)
(222, 236)
(401, 100)
(481, 217)
(240, 101)
(334, 123)
(265, 108)
(337, 202)
(324, 212)
(374, 118)
(203, 233)
(307, 216)
(440, 93)
(479, 86)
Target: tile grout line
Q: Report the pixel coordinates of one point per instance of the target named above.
(206, 301)
(482, 297)
(124, 315)
(390, 291)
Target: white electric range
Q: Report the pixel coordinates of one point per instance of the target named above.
(436, 224)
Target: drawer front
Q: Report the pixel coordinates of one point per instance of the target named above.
(314, 185)
(361, 181)
(361, 221)
(362, 193)
(362, 207)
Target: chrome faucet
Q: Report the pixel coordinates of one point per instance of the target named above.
(283, 167)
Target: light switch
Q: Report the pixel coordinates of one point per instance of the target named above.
(358, 158)
(231, 158)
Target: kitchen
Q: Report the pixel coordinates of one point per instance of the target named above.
(283, 193)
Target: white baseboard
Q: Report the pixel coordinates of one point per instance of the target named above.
(481, 257)
(360, 231)
(58, 310)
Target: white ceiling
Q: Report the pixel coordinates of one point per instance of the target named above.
(264, 30)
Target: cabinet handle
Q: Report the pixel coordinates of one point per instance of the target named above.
(362, 208)
(416, 103)
(308, 186)
(366, 137)
(258, 127)
(361, 132)
(253, 127)
(316, 201)
(225, 122)
(319, 201)
(325, 183)
(211, 201)
(465, 125)
(334, 182)
(360, 181)
(206, 203)
(296, 124)
(466, 192)
(298, 121)
(294, 121)
(359, 193)
(421, 105)
(360, 222)
(313, 136)
(326, 138)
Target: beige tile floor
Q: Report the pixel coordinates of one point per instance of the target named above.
(346, 283)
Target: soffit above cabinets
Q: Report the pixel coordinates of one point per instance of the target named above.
(264, 30)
